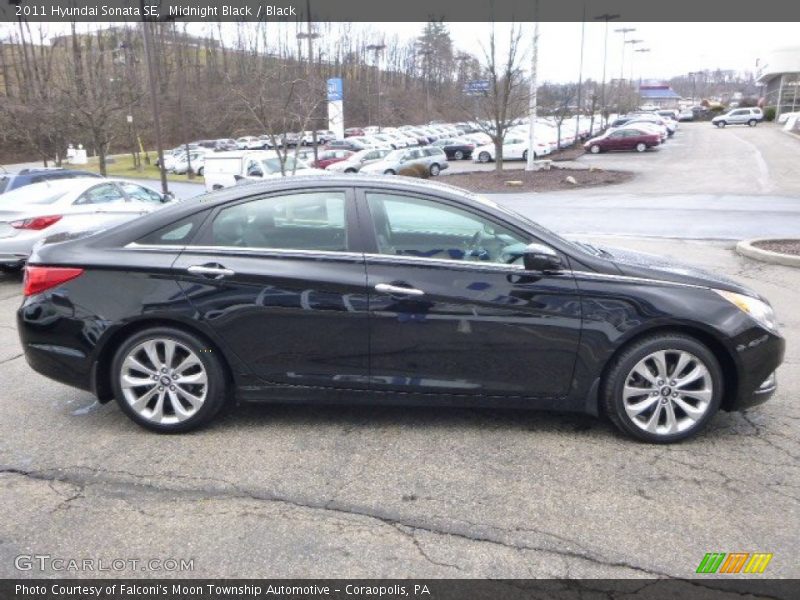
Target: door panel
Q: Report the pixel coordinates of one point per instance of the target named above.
(456, 317)
(296, 316)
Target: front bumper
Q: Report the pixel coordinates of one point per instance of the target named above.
(758, 360)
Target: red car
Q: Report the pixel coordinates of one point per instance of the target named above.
(353, 132)
(623, 139)
(328, 157)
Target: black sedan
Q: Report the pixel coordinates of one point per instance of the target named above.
(456, 149)
(342, 289)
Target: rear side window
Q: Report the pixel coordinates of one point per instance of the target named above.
(178, 233)
(303, 221)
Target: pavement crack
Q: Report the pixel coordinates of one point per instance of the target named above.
(233, 491)
(10, 358)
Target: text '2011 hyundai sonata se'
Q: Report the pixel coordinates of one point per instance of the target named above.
(345, 288)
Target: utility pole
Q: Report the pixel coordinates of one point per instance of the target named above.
(310, 36)
(532, 99)
(580, 70)
(604, 17)
(376, 49)
(148, 53)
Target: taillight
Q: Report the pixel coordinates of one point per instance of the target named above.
(36, 223)
(39, 279)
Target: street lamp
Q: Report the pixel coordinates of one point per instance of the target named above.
(426, 78)
(376, 49)
(624, 31)
(640, 77)
(633, 44)
(604, 17)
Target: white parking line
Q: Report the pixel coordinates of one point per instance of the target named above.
(764, 182)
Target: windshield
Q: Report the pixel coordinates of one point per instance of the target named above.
(273, 165)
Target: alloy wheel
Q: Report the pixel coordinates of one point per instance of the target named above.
(595, 149)
(458, 155)
(163, 381)
(667, 392)
(484, 157)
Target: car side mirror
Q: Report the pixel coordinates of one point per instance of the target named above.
(538, 257)
(167, 197)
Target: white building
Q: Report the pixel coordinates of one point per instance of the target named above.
(779, 73)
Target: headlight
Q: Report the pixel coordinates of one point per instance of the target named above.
(760, 311)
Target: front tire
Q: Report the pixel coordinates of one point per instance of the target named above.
(641, 147)
(435, 170)
(458, 155)
(484, 157)
(168, 380)
(721, 124)
(663, 389)
(595, 149)
(752, 122)
(200, 172)
(389, 172)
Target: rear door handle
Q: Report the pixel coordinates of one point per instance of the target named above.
(396, 290)
(215, 271)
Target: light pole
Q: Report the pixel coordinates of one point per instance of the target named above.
(633, 44)
(580, 70)
(604, 17)
(426, 54)
(624, 31)
(376, 49)
(151, 76)
(693, 75)
(642, 50)
(532, 100)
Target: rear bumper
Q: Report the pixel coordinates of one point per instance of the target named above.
(13, 260)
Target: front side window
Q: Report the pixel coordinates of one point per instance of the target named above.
(142, 194)
(407, 226)
(104, 193)
(303, 221)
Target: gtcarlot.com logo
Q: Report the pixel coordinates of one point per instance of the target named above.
(734, 562)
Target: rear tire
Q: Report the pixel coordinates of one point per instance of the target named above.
(435, 170)
(350, 171)
(484, 157)
(677, 400)
(200, 172)
(168, 380)
(458, 155)
(389, 172)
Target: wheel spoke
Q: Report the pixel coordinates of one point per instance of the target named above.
(134, 382)
(631, 391)
(140, 403)
(690, 411)
(702, 395)
(177, 408)
(643, 371)
(672, 422)
(693, 375)
(652, 423)
(684, 358)
(158, 409)
(169, 353)
(132, 363)
(152, 354)
(660, 360)
(189, 361)
(195, 401)
(638, 408)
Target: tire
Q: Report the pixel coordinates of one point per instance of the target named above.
(721, 124)
(435, 170)
(200, 172)
(752, 122)
(458, 155)
(350, 171)
(206, 375)
(389, 172)
(661, 398)
(594, 149)
(641, 147)
(525, 155)
(484, 157)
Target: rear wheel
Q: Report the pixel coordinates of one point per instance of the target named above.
(350, 171)
(525, 155)
(641, 147)
(200, 171)
(663, 388)
(435, 170)
(168, 380)
(458, 155)
(484, 157)
(389, 172)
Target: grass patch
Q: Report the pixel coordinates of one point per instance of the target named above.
(123, 167)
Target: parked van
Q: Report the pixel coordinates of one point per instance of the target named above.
(224, 169)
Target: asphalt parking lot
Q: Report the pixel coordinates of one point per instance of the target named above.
(280, 491)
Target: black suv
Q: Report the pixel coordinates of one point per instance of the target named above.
(12, 181)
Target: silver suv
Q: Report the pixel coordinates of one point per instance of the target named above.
(739, 116)
(431, 157)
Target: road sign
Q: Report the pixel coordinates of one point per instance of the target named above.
(476, 87)
(335, 89)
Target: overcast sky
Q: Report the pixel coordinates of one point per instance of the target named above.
(675, 48)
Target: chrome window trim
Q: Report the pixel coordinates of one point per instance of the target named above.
(632, 279)
(276, 252)
(446, 262)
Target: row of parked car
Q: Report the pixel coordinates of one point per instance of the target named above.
(637, 131)
(62, 204)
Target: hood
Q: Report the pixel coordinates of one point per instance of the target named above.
(652, 266)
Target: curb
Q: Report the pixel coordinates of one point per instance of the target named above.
(746, 248)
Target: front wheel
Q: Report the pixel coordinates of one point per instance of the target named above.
(435, 170)
(389, 172)
(200, 172)
(663, 388)
(168, 380)
(721, 124)
(350, 171)
(458, 155)
(641, 147)
(484, 157)
(595, 149)
(752, 122)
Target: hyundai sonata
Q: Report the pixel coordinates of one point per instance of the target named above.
(389, 290)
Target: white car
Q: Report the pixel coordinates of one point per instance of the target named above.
(739, 116)
(514, 147)
(224, 169)
(68, 207)
(249, 142)
(180, 165)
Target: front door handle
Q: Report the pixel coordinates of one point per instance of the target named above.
(386, 288)
(212, 270)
